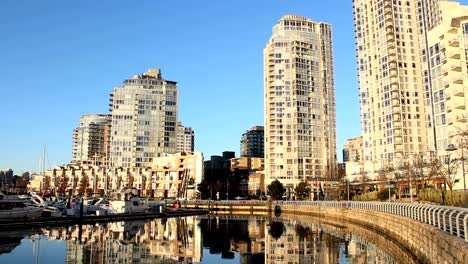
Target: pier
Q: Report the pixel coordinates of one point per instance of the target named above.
(91, 219)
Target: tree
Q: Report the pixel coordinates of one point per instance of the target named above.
(276, 229)
(447, 172)
(276, 190)
(46, 186)
(302, 232)
(61, 185)
(84, 185)
(26, 175)
(460, 141)
(302, 191)
(204, 189)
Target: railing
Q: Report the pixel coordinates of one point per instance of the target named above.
(224, 202)
(453, 220)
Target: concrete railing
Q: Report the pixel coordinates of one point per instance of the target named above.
(453, 220)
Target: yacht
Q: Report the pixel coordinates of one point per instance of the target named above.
(49, 210)
(125, 201)
(12, 207)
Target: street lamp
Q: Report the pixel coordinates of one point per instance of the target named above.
(450, 148)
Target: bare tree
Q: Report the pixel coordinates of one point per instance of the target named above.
(84, 184)
(460, 141)
(61, 184)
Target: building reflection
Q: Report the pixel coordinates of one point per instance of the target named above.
(173, 240)
(184, 240)
(294, 242)
(230, 235)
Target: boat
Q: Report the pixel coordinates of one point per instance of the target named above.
(125, 201)
(52, 209)
(12, 207)
(96, 206)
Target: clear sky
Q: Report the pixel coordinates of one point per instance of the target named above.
(61, 59)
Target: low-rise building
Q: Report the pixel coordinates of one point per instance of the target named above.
(251, 175)
(171, 176)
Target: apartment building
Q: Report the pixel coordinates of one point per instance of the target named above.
(144, 120)
(251, 144)
(185, 139)
(91, 139)
(390, 45)
(300, 125)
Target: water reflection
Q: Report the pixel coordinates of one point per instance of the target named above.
(205, 239)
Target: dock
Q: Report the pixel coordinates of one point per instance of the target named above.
(92, 219)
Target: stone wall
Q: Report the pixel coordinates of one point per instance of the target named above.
(427, 243)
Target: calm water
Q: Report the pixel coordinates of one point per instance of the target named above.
(206, 239)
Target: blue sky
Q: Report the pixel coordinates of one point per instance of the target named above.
(61, 59)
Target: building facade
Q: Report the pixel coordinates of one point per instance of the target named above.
(352, 158)
(352, 150)
(251, 175)
(144, 115)
(176, 175)
(390, 45)
(252, 142)
(91, 139)
(300, 125)
(170, 176)
(185, 139)
(446, 94)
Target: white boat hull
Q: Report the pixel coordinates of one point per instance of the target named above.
(24, 212)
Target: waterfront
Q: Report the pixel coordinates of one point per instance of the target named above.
(197, 239)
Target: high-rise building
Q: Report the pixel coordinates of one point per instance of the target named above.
(352, 158)
(352, 150)
(185, 139)
(252, 142)
(390, 44)
(144, 115)
(447, 93)
(447, 97)
(300, 125)
(91, 139)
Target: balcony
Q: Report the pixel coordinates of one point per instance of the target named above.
(392, 61)
(396, 110)
(455, 89)
(461, 119)
(454, 42)
(458, 116)
(388, 17)
(453, 53)
(458, 79)
(455, 67)
(456, 103)
(390, 31)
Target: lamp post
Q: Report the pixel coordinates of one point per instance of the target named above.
(347, 184)
(450, 148)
